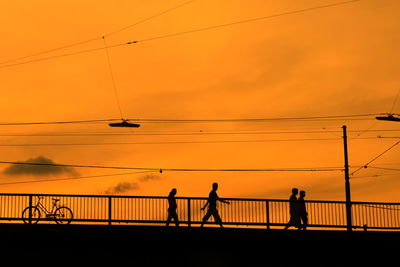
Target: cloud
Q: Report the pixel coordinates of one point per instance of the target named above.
(122, 188)
(149, 177)
(38, 170)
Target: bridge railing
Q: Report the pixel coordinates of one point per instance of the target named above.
(261, 213)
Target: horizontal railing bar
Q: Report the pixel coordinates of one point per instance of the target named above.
(193, 198)
(113, 209)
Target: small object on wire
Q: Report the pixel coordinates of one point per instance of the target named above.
(124, 123)
(389, 117)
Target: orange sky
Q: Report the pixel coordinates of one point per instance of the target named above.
(332, 61)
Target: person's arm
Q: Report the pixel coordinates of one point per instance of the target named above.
(205, 205)
(224, 201)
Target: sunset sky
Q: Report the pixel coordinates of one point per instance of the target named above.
(331, 61)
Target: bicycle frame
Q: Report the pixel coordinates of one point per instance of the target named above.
(41, 207)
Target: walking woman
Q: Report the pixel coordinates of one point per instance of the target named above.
(172, 208)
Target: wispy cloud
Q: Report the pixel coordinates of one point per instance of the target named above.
(124, 187)
(38, 170)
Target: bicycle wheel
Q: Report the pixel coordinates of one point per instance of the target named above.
(63, 215)
(34, 214)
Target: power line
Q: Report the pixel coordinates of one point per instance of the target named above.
(383, 168)
(112, 78)
(183, 142)
(72, 178)
(247, 21)
(65, 55)
(187, 32)
(183, 133)
(149, 18)
(321, 169)
(173, 142)
(56, 122)
(98, 38)
(375, 158)
(312, 118)
(375, 175)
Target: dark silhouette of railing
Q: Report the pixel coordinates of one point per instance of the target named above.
(260, 213)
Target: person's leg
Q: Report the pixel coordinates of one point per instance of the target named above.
(290, 223)
(305, 221)
(175, 216)
(217, 218)
(169, 218)
(205, 218)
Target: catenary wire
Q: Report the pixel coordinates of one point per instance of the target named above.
(316, 169)
(174, 142)
(181, 133)
(310, 118)
(186, 32)
(72, 178)
(186, 133)
(113, 78)
(100, 37)
(375, 158)
(246, 21)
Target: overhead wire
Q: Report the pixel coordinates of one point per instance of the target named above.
(56, 122)
(189, 133)
(384, 168)
(113, 79)
(309, 118)
(305, 118)
(99, 37)
(149, 18)
(375, 175)
(224, 25)
(247, 21)
(72, 178)
(375, 158)
(395, 101)
(179, 142)
(316, 169)
(181, 133)
(183, 142)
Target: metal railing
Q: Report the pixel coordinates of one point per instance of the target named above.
(260, 213)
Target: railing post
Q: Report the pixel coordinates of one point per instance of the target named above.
(109, 210)
(30, 210)
(188, 212)
(267, 213)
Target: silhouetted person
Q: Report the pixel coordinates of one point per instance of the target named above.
(293, 210)
(212, 206)
(172, 208)
(301, 205)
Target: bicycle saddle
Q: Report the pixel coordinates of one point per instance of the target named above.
(55, 199)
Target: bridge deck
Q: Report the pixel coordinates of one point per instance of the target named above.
(209, 246)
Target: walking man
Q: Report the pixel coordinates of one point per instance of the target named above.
(172, 208)
(293, 210)
(212, 206)
(302, 210)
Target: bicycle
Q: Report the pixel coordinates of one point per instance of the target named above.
(60, 214)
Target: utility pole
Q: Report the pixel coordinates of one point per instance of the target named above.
(347, 181)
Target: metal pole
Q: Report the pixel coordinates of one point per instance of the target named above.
(267, 211)
(30, 209)
(109, 210)
(188, 213)
(347, 180)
